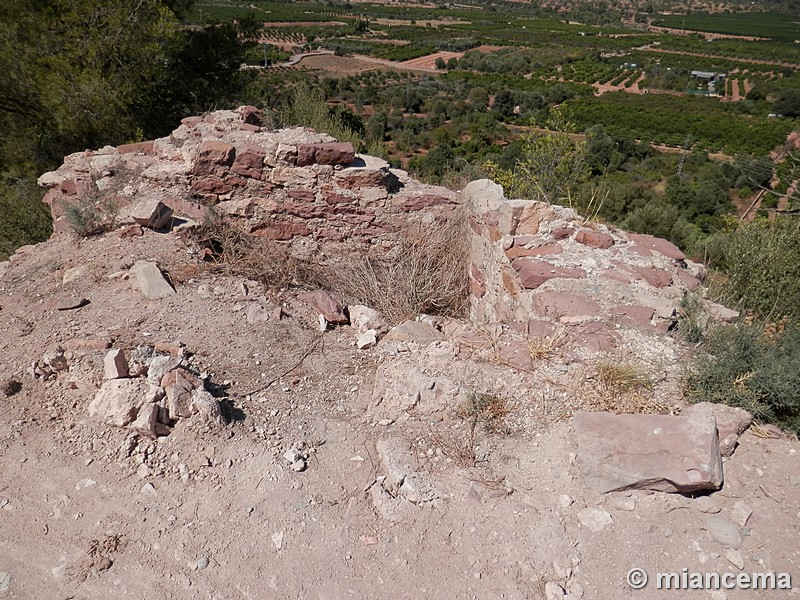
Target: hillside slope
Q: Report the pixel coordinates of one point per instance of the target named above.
(172, 427)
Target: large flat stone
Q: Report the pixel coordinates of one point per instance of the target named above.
(594, 239)
(416, 332)
(558, 304)
(533, 273)
(482, 195)
(249, 161)
(522, 217)
(328, 304)
(327, 153)
(648, 452)
(152, 213)
(647, 244)
(213, 157)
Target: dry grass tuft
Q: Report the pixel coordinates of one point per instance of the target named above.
(622, 378)
(228, 247)
(623, 388)
(427, 274)
(487, 410)
(541, 348)
(460, 450)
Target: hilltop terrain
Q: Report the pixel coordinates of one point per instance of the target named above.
(197, 401)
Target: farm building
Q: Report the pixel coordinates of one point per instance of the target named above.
(709, 79)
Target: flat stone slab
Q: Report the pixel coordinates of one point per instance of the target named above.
(416, 332)
(647, 244)
(557, 304)
(328, 304)
(648, 452)
(152, 213)
(150, 280)
(533, 273)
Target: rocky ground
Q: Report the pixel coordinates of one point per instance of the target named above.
(171, 431)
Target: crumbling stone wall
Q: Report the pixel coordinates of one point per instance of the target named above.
(539, 265)
(287, 184)
(533, 265)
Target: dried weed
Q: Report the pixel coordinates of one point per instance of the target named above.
(426, 274)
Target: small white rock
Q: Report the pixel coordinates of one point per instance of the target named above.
(277, 539)
(735, 558)
(553, 591)
(594, 519)
(367, 339)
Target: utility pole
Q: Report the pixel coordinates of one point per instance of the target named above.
(683, 154)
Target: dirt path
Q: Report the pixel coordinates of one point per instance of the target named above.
(735, 96)
(707, 34)
(634, 87)
(713, 56)
(428, 62)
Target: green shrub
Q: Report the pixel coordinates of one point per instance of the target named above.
(89, 217)
(753, 367)
(307, 108)
(692, 319)
(760, 263)
(25, 219)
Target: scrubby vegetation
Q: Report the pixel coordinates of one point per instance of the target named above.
(755, 363)
(754, 367)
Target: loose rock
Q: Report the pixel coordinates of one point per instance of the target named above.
(152, 213)
(151, 281)
(115, 365)
(654, 452)
(724, 532)
(553, 591)
(741, 513)
(731, 422)
(119, 400)
(594, 519)
(328, 304)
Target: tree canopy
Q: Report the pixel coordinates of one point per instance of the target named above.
(85, 73)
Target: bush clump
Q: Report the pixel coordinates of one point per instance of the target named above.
(89, 217)
(754, 367)
(760, 267)
(425, 274)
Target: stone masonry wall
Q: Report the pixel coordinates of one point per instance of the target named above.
(533, 266)
(287, 184)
